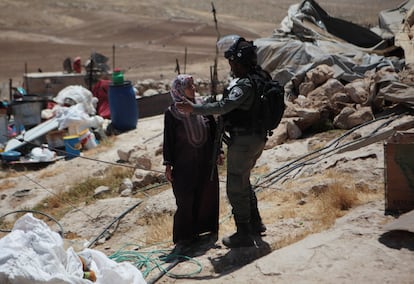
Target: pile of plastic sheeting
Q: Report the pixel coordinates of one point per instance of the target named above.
(308, 37)
(76, 110)
(33, 253)
(72, 95)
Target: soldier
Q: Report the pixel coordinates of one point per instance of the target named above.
(247, 140)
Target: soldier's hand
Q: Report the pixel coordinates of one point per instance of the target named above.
(186, 106)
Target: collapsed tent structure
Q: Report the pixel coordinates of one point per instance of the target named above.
(308, 37)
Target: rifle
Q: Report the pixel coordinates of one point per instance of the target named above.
(213, 70)
(218, 138)
(219, 134)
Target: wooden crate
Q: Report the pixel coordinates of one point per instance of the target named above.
(399, 172)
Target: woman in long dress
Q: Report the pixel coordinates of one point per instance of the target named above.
(187, 152)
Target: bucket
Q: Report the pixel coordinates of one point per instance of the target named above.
(72, 146)
(123, 106)
(10, 156)
(87, 139)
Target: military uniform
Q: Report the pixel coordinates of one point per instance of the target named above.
(247, 142)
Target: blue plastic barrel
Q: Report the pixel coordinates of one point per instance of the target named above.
(123, 106)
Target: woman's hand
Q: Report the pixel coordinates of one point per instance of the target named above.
(220, 159)
(168, 173)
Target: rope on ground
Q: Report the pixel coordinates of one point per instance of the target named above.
(149, 260)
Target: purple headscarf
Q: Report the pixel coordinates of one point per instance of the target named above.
(180, 83)
(195, 125)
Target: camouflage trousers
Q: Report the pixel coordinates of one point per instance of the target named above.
(242, 154)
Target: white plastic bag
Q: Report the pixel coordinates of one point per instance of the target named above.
(76, 119)
(33, 253)
(79, 95)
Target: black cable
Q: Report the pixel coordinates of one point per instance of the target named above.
(278, 174)
(335, 141)
(116, 219)
(61, 232)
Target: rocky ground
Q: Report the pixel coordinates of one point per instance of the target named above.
(347, 252)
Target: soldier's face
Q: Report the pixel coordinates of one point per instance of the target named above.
(235, 68)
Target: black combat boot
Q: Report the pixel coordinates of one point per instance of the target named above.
(256, 224)
(241, 238)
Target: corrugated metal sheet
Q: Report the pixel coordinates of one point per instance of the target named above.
(399, 172)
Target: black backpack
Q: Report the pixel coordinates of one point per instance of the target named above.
(271, 101)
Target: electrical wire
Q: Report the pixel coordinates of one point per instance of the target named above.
(61, 232)
(56, 195)
(335, 141)
(115, 220)
(322, 153)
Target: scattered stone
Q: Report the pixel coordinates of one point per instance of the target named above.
(101, 190)
(320, 74)
(22, 193)
(141, 162)
(126, 192)
(125, 185)
(143, 178)
(124, 155)
(358, 90)
(293, 131)
(302, 202)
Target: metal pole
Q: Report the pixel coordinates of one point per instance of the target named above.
(185, 60)
(26, 79)
(10, 89)
(113, 57)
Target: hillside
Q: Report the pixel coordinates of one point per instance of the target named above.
(143, 38)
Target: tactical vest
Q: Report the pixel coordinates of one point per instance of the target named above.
(242, 119)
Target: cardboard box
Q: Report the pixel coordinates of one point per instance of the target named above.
(399, 172)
